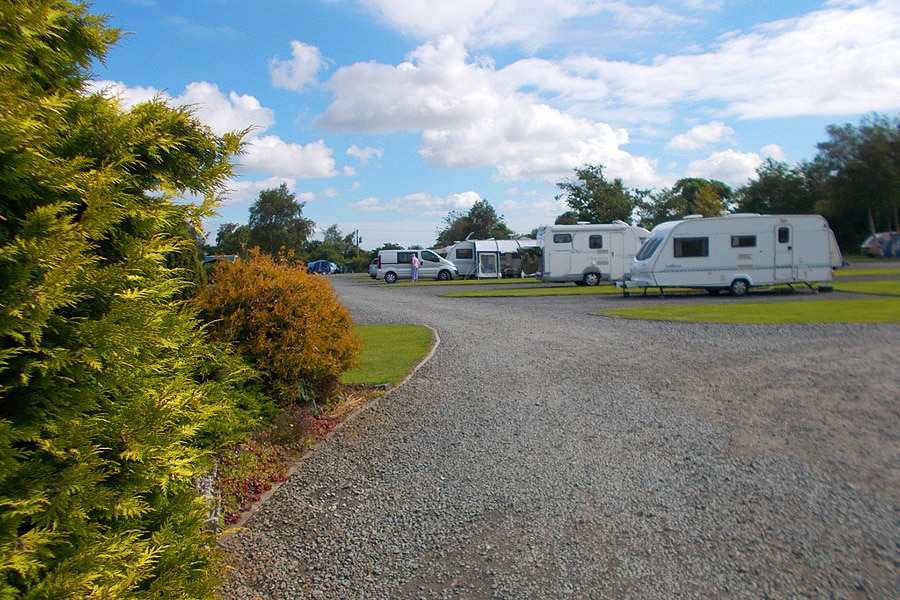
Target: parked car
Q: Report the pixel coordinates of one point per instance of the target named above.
(884, 243)
(373, 268)
(323, 267)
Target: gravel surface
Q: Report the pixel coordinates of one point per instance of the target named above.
(546, 452)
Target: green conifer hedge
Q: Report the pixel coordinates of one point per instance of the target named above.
(108, 388)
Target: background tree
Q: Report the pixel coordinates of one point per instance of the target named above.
(107, 384)
(276, 222)
(595, 199)
(689, 196)
(778, 189)
(232, 238)
(857, 173)
(481, 221)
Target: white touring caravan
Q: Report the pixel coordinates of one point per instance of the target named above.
(736, 252)
(489, 259)
(588, 253)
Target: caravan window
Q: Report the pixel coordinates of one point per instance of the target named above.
(648, 248)
(464, 253)
(743, 241)
(784, 235)
(691, 247)
(595, 242)
(562, 238)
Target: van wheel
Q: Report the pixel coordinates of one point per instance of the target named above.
(591, 279)
(444, 275)
(739, 287)
(390, 277)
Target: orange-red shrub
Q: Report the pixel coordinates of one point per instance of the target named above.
(286, 322)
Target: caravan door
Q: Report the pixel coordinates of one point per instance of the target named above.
(784, 253)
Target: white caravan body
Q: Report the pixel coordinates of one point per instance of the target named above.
(488, 259)
(588, 253)
(736, 252)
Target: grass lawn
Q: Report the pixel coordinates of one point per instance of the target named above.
(544, 290)
(862, 310)
(389, 353)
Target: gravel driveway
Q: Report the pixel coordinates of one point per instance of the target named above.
(546, 452)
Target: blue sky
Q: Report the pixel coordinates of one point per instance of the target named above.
(384, 116)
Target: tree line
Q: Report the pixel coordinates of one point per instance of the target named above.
(854, 182)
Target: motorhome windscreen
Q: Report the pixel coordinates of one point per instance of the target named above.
(691, 247)
(648, 248)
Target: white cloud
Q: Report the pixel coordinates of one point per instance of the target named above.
(529, 23)
(420, 203)
(729, 166)
(223, 113)
(306, 61)
(364, 154)
(701, 136)
(844, 59)
(473, 116)
(271, 154)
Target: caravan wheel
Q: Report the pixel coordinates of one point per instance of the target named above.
(739, 287)
(591, 279)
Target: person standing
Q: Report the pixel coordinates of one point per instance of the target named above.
(415, 268)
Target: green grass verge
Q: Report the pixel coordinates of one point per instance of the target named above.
(389, 353)
(851, 272)
(545, 290)
(886, 288)
(863, 310)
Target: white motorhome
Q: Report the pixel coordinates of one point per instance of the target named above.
(392, 265)
(736, 252)
(588, 253)
(489, 259)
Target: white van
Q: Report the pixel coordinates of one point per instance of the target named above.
(736, 252)
(397, 264)
(588, 253)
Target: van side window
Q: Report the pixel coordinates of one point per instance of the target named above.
(690, 247)
(784, 235)
(562, 238)
(430, 256)
(595, 242)
(404, 258)
(743, 241)
(464, 253)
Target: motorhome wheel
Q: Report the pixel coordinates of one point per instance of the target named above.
(591, 279)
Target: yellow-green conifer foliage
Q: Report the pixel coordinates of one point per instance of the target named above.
(289, 324)
(106, 383)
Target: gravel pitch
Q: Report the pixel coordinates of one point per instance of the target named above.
(546, 452)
